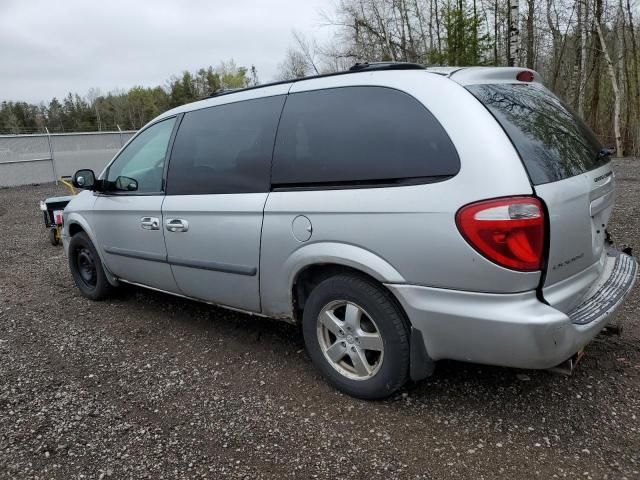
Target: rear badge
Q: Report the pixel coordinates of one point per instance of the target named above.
(567, 262)
(603, 176)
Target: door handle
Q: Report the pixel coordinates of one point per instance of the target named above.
(177, 225)
(150, 223)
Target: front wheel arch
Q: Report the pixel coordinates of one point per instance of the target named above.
(75, 228)
(78, 224)
(87, 269)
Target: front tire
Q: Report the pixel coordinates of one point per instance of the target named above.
(357, 336)
(86, 268)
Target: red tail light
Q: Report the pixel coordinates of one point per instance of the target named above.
(508, 231)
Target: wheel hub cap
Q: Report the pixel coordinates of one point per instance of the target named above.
(350, 340)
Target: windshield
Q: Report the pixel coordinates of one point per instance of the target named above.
(552, 141)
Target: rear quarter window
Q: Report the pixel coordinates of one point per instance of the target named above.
(359, 135)
(553, 142)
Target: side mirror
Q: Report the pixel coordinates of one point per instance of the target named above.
(126, 184)
(84, 179)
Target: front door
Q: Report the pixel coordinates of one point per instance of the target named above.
(217, 185)
(128, 224)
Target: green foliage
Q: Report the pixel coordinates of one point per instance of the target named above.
(464, 43)
(129, 110)
(16, 116)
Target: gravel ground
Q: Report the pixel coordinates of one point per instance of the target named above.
(150, 386)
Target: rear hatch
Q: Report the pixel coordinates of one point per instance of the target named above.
(569, 171)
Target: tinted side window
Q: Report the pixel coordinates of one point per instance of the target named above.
(359, 135)
(225, 149)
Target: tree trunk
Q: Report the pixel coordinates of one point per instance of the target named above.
(507, 43)
(475, 34)
(556, 38)
(634, 48)
(438, 29)
(575, 80)
(413, 55)
(635, 129)
(384, 32)
(582, 83)
(530, 40)
(98, 117)
(513, 39)
(400, 27)
(431, 44)
(495, 33)
(623, 72)
(595, 70)
(457, 51)
(616, 92)
(420, 18)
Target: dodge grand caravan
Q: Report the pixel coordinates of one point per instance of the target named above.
(401, 215)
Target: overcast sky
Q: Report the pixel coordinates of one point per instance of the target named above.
(49, 47)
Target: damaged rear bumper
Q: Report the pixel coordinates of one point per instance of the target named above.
(514, 330)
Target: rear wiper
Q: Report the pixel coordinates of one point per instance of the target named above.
(605, 152)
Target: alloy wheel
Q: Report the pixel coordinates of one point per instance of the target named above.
(350, 340)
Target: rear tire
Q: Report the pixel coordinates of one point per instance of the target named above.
(357, 336)
(86, 268)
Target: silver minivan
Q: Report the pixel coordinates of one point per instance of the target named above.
(401, 215)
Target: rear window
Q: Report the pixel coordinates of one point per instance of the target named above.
(552, 141)
(359, 135)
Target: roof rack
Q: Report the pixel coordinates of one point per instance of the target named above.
(226, 91)
(356, 68)
(366, 66)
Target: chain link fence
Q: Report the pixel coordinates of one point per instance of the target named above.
(40, 158)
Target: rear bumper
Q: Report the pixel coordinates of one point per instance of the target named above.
(513, 330)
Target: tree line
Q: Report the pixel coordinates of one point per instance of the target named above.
(585, 50)
(128, 110)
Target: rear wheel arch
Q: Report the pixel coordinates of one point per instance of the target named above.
(313, 263)
(421, 365)
(312, 275)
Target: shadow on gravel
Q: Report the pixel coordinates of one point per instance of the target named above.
(196, 316)
(483, 390)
